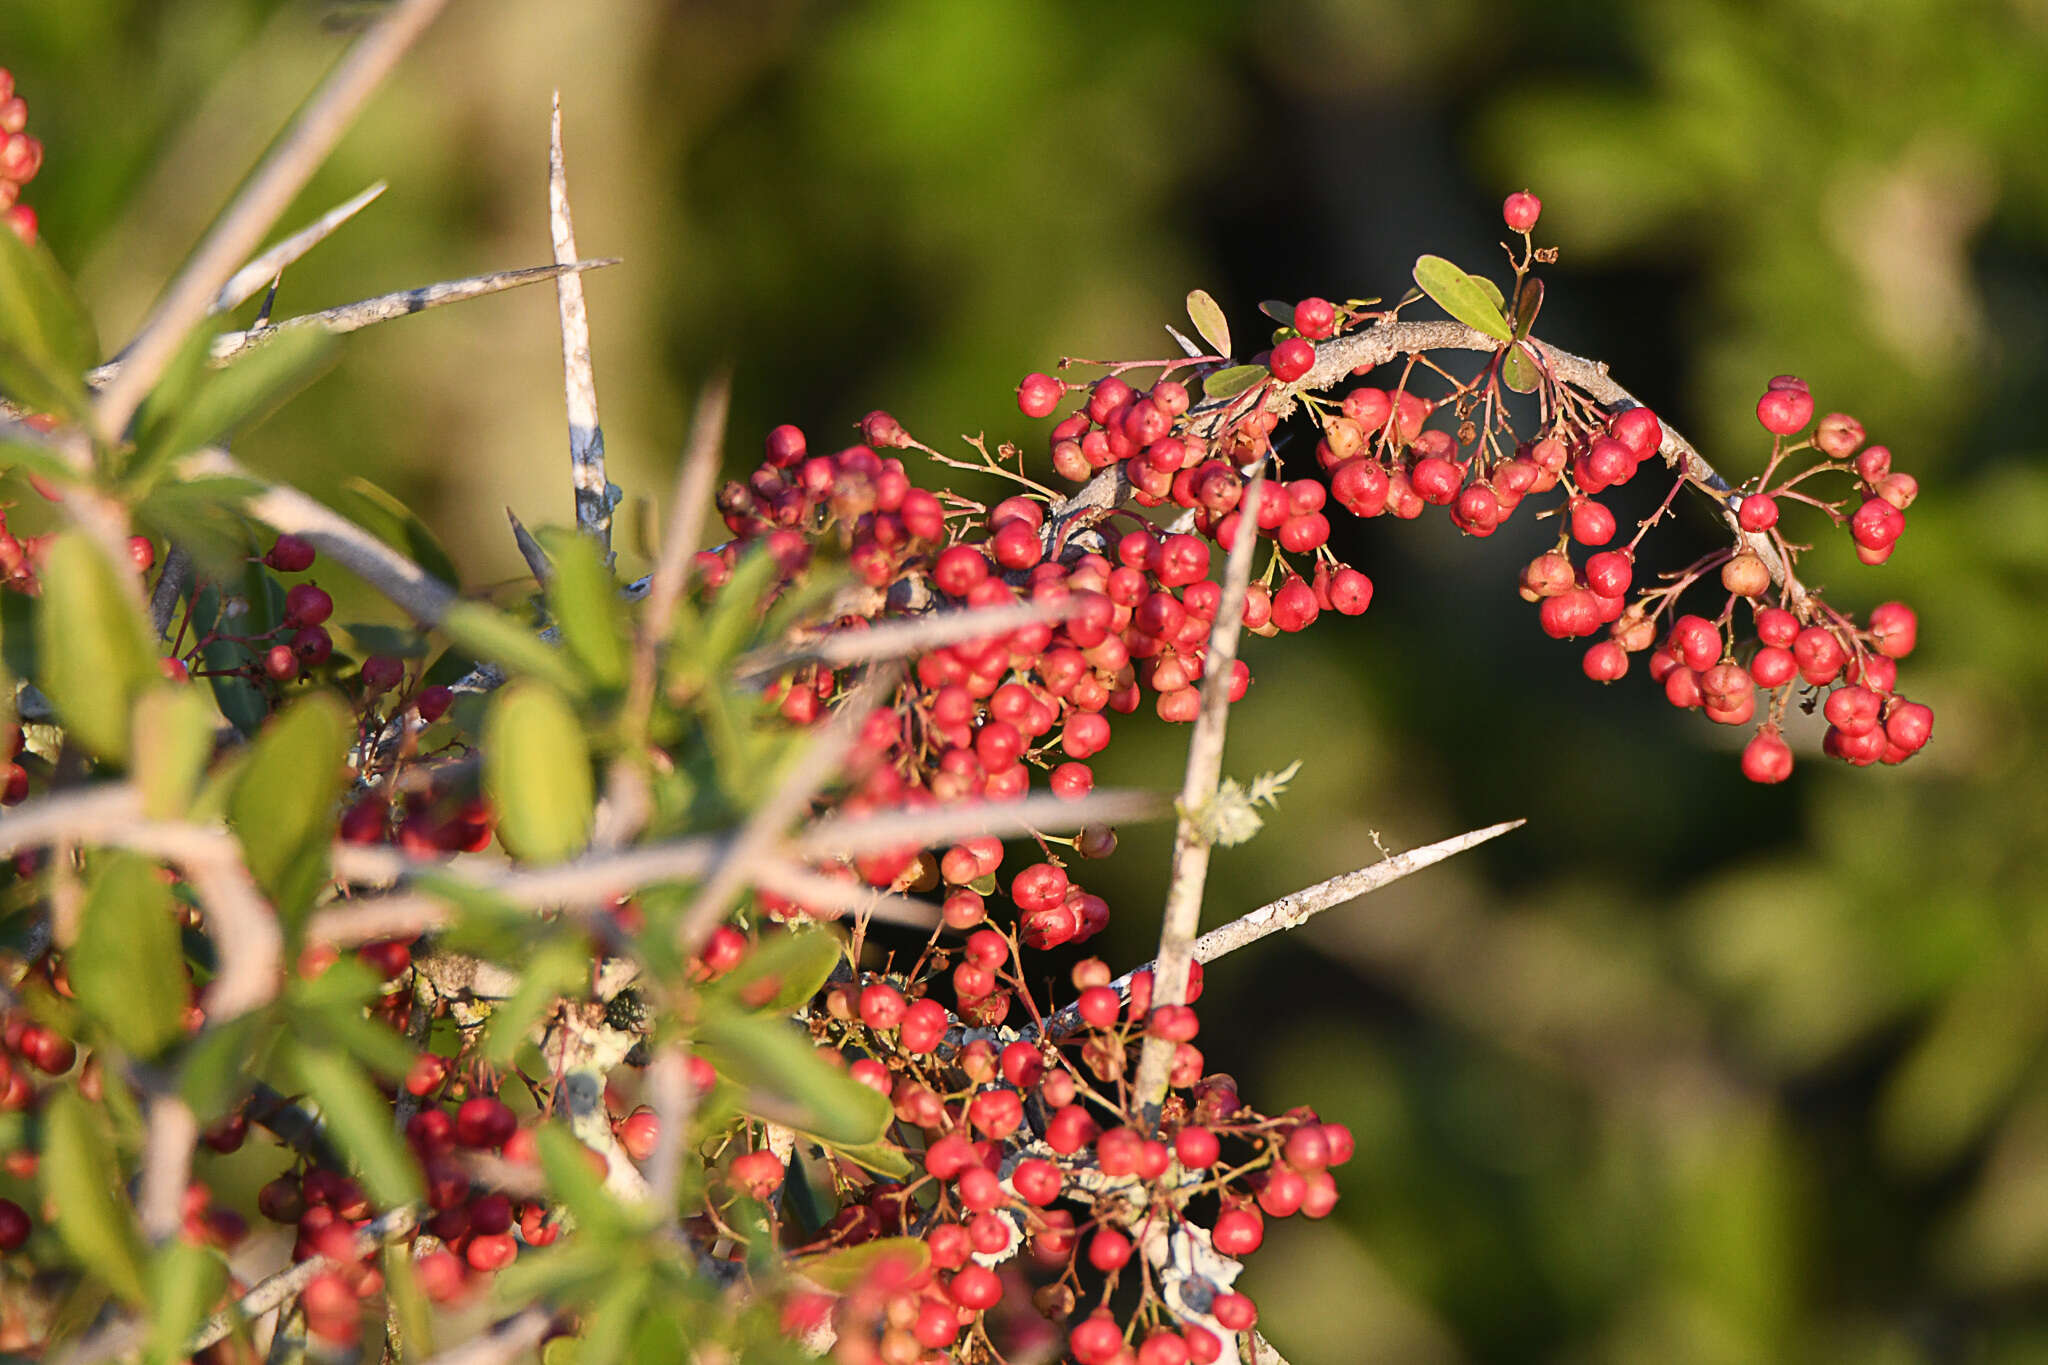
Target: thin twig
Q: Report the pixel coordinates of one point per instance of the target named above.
(244, 283)
(267, 193)
(1041, 813)
(815, 891)
(353, 317)
(1338, 359)
(1183, 914)
(506, 1340)
(821, 761)
(536, 558)
(898, 638)
(412, 588)
(679, 537)
(166, 1167)
(673, 1100)
(1297, 908)
(579, 376)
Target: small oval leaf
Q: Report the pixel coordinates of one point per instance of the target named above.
(1234, 381)
(92, 645)
(537, 772)
(775, 1061)
(127, 966)
(1518, 371)
(583, 598)
(173, 743)
(81, 1183)
(842, 1270)
(283, 808)
(1469, 299)
(1279, 310)
(1528, 303)
(1208, 318)
(359, 1121)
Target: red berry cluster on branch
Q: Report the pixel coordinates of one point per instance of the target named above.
(21, 156)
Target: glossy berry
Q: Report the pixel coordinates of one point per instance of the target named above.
(1786, 407)
(289, 554)
(1315, 319)
(1520, 211)
(1292, 359)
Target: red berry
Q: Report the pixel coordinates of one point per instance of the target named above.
(307, 605)
(1520, 211)
(491, 1252)
(14, 1225)
(290, 555)
(1605, 662)
(1767, 758)
(1292, 359)
(1785, 410)
(1895, 629)
(882, 1006)
(1238, 1232)
(975, 1288)
(21, 221)
(1592, 523)
(484, 1121)
(1759, 512)
(1315, 318)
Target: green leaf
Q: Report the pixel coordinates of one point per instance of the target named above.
(490, 634)
(737, 614)
(185, 1281)
(232, 400)
(285, 804)
(1234, 381)
(573, 1178)
(128, 964)
(93, 645)
(46, 337)
(1518, 371)
(1208, 318)
(777, 1064)
(374, 638)
(1528, 303)
(1471, 300)
(408, 1302)
(559, 968)
(214, 1072)
(885, 1159)
(173, 744)
(205, 515)
(82, 1182)
(609, 1324)
(329, 1010)
(537, 773)
(38, 459)
(1279, 310)
(845, 1268)
(558, 1273)
(359, 1120)
(583, 598)
(798, 963)
(397, 525)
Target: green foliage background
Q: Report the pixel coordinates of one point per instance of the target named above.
(1684, 1071)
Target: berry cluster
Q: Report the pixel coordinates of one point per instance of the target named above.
(1029, 1143)
(21, 156)
(1017, 1150)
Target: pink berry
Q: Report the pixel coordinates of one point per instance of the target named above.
(1520, 211)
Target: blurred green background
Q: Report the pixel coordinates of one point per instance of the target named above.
(1685, 1071)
